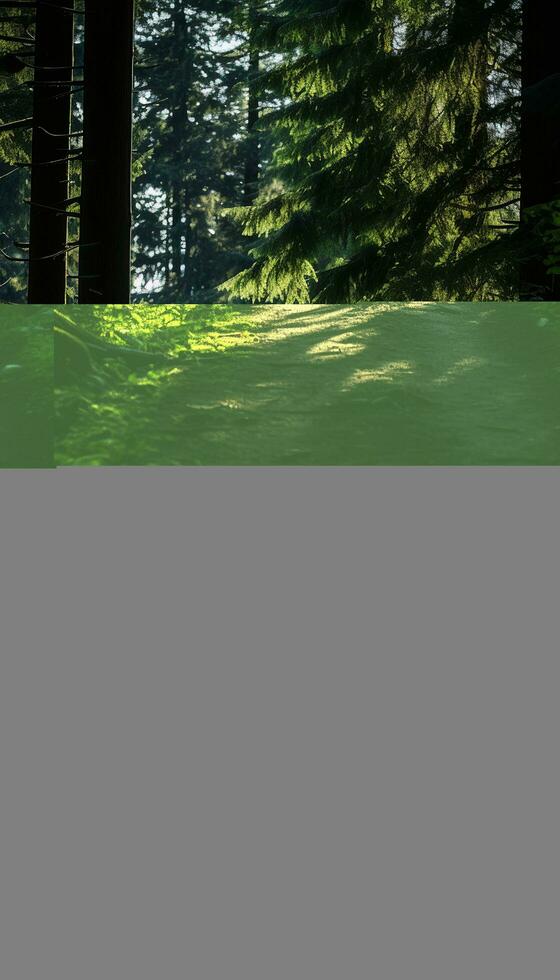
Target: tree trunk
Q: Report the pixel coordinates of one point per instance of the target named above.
(179, 123)
(167, 280)
(540, 146)
(48, 229)
(187, 284)
(252, 159)
(106, 197)
(176, 233)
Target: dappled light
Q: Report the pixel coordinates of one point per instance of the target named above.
(373, 384)
(466, 364)
(388, 372)
(339, 345)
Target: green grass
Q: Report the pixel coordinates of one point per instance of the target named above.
(26, 387)
(380, 384)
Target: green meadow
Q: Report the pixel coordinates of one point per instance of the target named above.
(362, 385)
(419, 384)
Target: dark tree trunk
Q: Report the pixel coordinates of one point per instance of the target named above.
(179, 123)
(167, 239)
(540, 145)
(176, 233)
(188, 250)
(252, 159)
(54, 42)
(106, 196)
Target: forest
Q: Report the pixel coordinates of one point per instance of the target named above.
(286, 232)
(281, 151)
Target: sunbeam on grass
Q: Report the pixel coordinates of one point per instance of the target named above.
(379, 384)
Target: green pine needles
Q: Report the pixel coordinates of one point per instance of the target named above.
(396, 168)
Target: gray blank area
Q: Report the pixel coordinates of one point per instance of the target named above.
(279, 725)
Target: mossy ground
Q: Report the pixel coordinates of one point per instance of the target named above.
(380, 384)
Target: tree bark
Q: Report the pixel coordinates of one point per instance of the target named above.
(167, 239)
(176, 233)
(106, 196)
(540, 146)
(179, 123)
(48, 229)
(252, 158)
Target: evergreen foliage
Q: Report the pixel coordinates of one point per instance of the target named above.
(396, 152)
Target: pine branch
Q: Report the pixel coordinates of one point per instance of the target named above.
(15, 169)
(45, 163)
(17, 124)
(17, 40)
(48, 207)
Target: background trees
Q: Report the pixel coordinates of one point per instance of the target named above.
(283, 150)
(198, 151)
(188, 151)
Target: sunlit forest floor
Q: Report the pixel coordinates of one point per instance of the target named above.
(26, 387)
(383, 384)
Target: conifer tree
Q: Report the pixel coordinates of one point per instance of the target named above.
(395, 144)
(366, 149)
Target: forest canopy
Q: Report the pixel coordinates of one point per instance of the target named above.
(279, 151)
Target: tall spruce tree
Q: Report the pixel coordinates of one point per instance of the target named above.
(396, 151)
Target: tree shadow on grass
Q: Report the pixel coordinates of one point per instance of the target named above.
(461, 384)
(380, 384)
